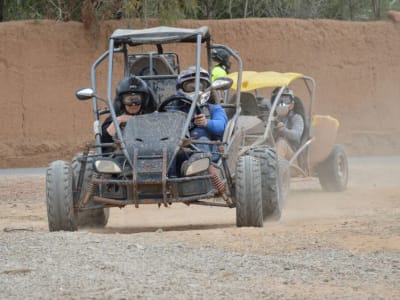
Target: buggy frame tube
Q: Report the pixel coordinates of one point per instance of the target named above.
(126, 70)
(239, 83)
(111, 106)
(264, 137)
(94, 99)
(195, 97)
(240, 69)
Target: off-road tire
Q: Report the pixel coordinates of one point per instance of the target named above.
(270, 182)
(92, 217)
(59, 197)
(333, 172)
(249, 210)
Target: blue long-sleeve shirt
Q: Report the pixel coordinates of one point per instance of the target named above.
(215, 124)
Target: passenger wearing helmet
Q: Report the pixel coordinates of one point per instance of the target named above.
(289, 124)
(133, 97)
(210, 124)
(221, 63)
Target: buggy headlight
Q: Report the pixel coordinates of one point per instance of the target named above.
(197, 166)
(107, 166)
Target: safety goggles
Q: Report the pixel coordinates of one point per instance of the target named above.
(190, 86)
(134, 99)
(286, 99)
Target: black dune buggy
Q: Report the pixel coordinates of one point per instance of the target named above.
(138, 169)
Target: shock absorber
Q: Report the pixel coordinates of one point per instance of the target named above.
(91, 189)
(216, 180)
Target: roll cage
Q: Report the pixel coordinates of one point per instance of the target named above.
(122, 40)
(254, 81)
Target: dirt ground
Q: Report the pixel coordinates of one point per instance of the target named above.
(363, 221)
(326, 246)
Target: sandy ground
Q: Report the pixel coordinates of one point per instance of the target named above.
(363, 220)
(373, 197)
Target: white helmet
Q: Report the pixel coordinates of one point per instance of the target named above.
(286, 99)
(186, 83)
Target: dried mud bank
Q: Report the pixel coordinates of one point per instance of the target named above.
(356, 65)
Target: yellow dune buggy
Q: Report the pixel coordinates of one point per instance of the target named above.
(318, 155)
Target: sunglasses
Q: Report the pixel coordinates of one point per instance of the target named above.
(190, 86)
(130, 100)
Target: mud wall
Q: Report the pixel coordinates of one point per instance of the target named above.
(356, 66)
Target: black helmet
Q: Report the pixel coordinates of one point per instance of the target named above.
(134, 85)
(221, 56)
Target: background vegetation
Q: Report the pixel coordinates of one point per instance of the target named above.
(169, 11)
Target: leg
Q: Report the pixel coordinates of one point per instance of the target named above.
(283, 148)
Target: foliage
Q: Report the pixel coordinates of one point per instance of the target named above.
(168, 11)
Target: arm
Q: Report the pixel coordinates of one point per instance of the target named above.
(294, 134)
(105, 136)
(218, 119)
(108, 128)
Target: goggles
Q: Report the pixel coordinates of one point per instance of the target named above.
(286, 99)
(190, 86)
(134, 99)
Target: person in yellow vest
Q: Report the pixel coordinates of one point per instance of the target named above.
(221, 63)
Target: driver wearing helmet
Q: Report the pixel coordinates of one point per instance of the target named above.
(221, 63)
(210, 124)
(133, 98)
(289, 124)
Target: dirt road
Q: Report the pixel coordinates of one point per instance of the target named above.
(326, 246)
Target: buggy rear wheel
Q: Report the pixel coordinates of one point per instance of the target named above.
(97, 217)
(59, 197)
(249, 210)
(333, 172)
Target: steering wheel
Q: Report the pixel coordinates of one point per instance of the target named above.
(180, 101)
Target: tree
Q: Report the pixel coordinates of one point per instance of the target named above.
(1, 10)
(168, 11)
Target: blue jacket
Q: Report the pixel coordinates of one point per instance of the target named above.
(215, 124)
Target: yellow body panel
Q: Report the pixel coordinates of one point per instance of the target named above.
(324, 130)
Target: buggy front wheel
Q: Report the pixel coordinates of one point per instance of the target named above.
(249, 211)
(96, 217)
(59, 197)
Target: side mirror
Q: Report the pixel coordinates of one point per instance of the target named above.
(84, 94)
(222, 83)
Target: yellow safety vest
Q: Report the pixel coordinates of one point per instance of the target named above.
(217, 72)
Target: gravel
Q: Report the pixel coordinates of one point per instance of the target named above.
(327, 246)
(85, 265)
